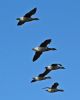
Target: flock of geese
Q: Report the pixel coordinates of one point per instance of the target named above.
(43, 47)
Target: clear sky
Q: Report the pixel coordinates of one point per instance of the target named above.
(60, 21)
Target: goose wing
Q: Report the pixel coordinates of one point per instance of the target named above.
(53, 64)
(30, 13)
(45, 43)
(37, 55)
(21, 22)
(55, 85)
(44, 73)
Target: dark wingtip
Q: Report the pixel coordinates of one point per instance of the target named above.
(33, 81)
(56, 83)
(35, 9)
(19, 24)
(33, 58)
(49, 40)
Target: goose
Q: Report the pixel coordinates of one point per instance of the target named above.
(27, 17)
(54, 67)
(41, 76)
(42, 48)
(53, 88)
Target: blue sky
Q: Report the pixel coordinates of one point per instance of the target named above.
(60, 21)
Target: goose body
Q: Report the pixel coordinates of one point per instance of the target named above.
(27, 17)
(42, 48)
(54, 67)
(41, 76)
(54, 88)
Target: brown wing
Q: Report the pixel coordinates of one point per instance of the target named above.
(45, 43)
(29, 14)
(55, 85)
(37, 55)
(44, 73)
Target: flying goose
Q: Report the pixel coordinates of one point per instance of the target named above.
(27, 17)
(41, 76)
(42, 48)
(54, 67)
(53, 88)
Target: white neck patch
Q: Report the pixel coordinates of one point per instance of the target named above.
(22, 18)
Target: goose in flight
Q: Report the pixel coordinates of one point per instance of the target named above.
(42, 48)
(41, 76)
(54, 67)
(27, 17)
(54, 88)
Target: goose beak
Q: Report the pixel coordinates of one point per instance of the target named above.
(63, 68)
(46, 90)
(49, 77)
(17, 18)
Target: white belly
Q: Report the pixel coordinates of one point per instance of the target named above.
(51, 90)
(26, 19)
(39, 78)
(22, 18)
(42, 49)
(49, 67)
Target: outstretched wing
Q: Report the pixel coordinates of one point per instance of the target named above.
(21, 22)
(45, 43)
(37, 55)
(44, 73)
(53, 64)
(29, 14)
(55, 85)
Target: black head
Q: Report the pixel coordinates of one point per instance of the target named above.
(63, 68)
(54, 49)
(36, 18)
(60, 66)
(48, 77)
